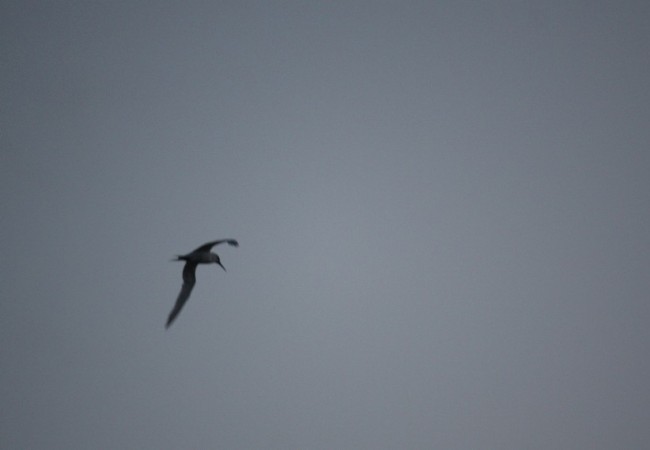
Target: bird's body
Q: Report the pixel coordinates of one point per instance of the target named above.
(201, 255)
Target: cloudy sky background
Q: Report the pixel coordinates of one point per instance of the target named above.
(442, 209)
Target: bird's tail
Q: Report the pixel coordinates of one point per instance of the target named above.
(179, 258)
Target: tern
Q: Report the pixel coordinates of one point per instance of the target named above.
(201, 255)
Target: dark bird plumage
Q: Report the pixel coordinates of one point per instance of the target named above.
(202, 255)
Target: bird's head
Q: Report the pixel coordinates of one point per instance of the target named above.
(217, 260)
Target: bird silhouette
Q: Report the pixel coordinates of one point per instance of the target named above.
(201, 255)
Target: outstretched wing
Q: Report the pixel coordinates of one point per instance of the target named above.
(207, 247)
(189, 279)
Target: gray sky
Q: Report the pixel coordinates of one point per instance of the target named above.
(442, 209)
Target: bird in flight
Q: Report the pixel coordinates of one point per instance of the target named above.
(201, 255)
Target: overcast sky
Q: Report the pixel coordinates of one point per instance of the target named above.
(442, 210)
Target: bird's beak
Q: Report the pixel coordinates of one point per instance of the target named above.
(224, 269)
